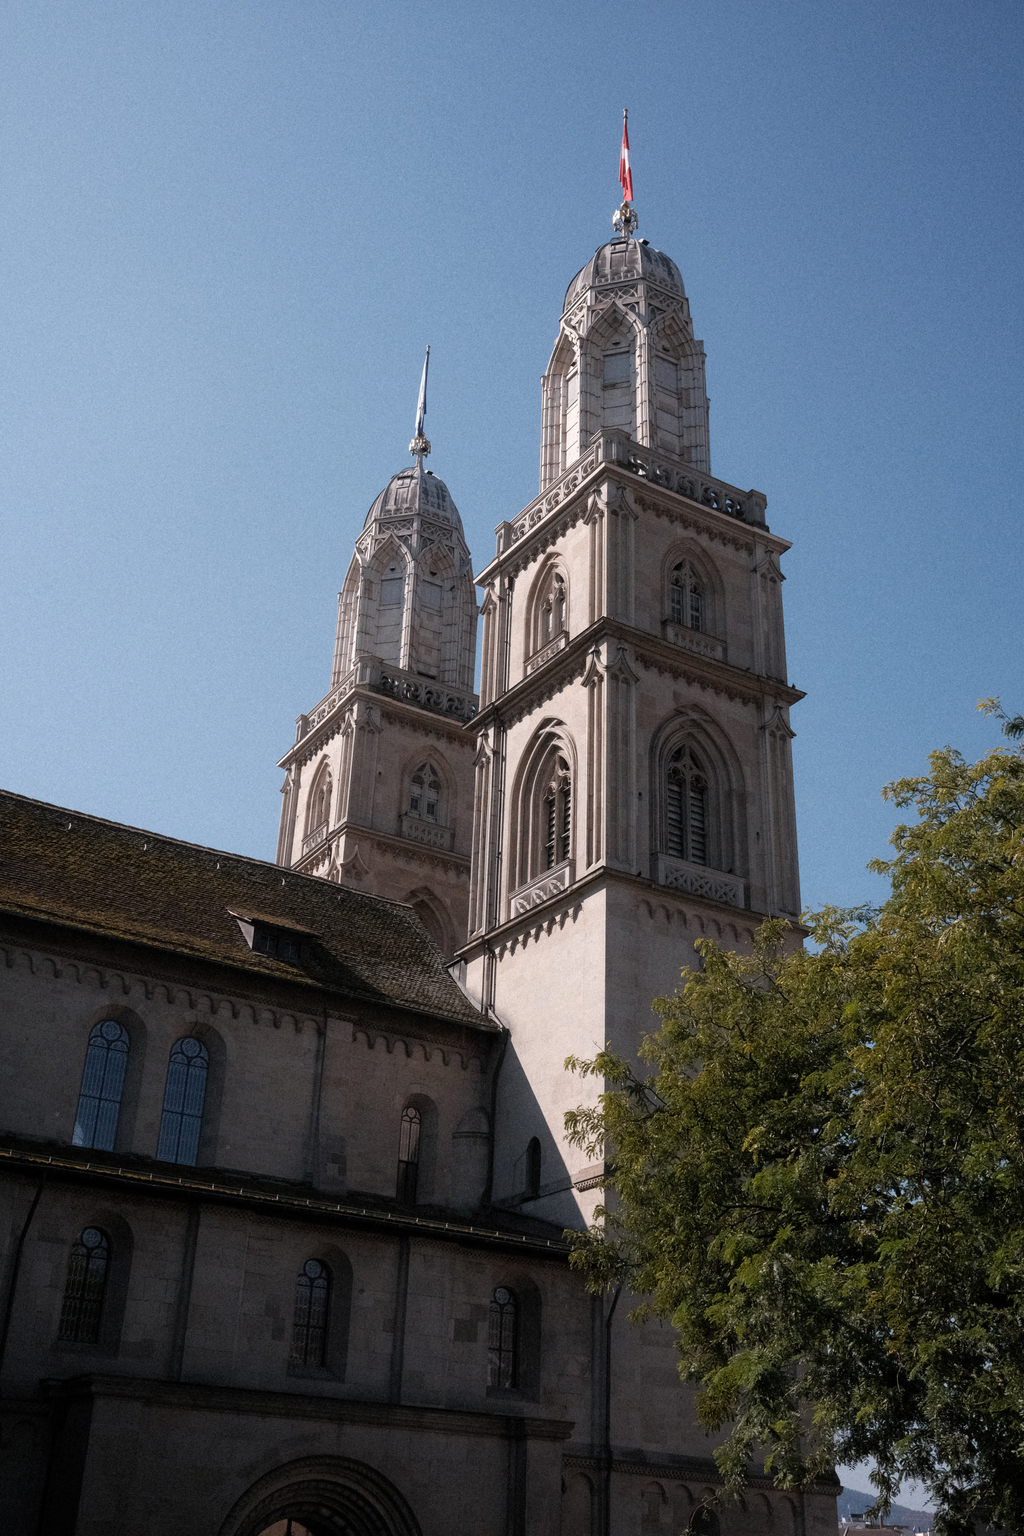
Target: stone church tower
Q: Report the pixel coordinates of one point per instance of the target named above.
(633, 776)
(379, 784)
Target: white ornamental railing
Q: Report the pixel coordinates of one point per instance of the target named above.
(699, 880)
(549, 884)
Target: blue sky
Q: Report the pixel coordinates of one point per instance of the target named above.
(228, 230)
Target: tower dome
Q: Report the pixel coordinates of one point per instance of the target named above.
(415, 492)
(626, 360)
(619, 260)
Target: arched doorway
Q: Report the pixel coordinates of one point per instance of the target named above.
(322, 1496)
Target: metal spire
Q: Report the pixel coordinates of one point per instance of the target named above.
(624, 219)
(420, 444)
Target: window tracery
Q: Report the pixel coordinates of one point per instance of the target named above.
(184, 1096)
(309, 1328)
(502, 1339)
(686, 807)
(549, 610)
(688, 598)
(86, 1282)
(319, 812)
(425, 793)
(99, 1098)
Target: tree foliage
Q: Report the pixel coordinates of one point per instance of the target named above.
(821, 1180)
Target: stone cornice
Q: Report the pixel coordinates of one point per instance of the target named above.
(396, 711)
(708, 918)
(387, 843)
(214, 1187)
(652, 651)
(304, 1405)
(654, 479)
(690, 1469)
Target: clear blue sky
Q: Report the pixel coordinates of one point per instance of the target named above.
(228, 230)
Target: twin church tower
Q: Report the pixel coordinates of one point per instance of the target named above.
(623, 784)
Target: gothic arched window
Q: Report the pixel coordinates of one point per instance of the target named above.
(557, 808)
(309, 1330)
(184, 1094)
(425, 793)
(99, 1099)
(502, 1339)
(549, 610)
(688, 603)
(319, 812)
(84, 1287)
(686, 808)
(409, 1154)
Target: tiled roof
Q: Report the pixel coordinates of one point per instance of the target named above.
(125, 883)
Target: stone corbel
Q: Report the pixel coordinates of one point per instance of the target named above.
(776, 724)
(354, 867)
(620, 669)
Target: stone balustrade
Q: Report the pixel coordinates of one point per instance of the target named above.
(551, 649)
(699, 880)
(381, 677)
(611, 447)
(694, 640)
(429, 833)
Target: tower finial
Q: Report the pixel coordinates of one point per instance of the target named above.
(624, 219)
(420, 444)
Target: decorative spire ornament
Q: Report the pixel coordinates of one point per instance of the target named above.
(624, 219)
(420, 445)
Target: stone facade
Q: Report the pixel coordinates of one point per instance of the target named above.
(285, 1184)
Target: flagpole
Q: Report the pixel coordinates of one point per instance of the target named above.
(624, 220)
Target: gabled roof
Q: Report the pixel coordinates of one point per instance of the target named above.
(121, 882)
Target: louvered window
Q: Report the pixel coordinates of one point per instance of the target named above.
(686, 808)
(558, 816)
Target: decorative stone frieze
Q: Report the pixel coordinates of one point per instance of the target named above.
(550, 883)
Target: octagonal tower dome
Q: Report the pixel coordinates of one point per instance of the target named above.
(625, 360)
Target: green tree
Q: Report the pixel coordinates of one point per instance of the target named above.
(821, 1180)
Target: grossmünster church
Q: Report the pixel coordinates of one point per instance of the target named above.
(283, 1174)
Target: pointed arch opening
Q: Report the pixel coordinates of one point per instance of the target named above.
(543, 821)
(547, 613)
(698, 827)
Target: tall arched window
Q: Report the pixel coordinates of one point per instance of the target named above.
(686, 808)
(558, 815)
(99, 1098)
(409, 1154)
(425, 793)
(687, 597)
(83, 1290)
(533, 1169)
(309, 1330)
(502, 1339)
(184, 1094)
